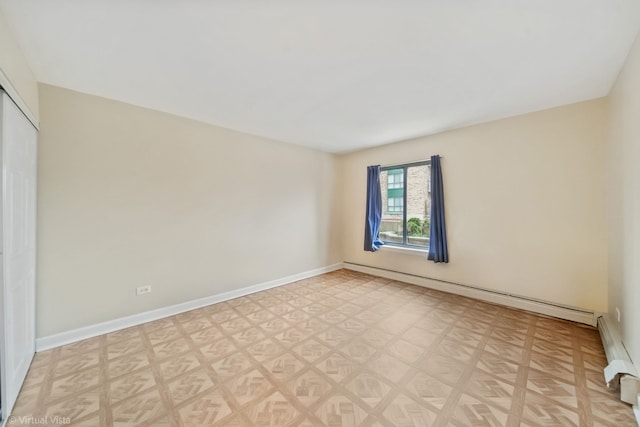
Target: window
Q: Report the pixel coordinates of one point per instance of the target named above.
(406, 201)
(395, 178)
(395, 204)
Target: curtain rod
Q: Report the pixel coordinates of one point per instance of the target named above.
(409, 163)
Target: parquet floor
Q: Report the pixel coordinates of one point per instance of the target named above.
(341, 349)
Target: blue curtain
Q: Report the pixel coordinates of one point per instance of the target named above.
(374, 210)
(438, 232)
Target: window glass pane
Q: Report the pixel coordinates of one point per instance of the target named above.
(391, 227)
(418, 205)
(395, 178)
(395, 204)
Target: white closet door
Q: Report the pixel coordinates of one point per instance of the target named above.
(19, 154)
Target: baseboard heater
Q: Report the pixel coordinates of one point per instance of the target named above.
(496, 297)
(620, 372)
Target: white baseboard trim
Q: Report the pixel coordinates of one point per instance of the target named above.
(514, 301)
(68, 337)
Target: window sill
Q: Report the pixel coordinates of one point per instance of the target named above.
(404, 250)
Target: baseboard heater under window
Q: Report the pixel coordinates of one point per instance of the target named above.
(620, 372)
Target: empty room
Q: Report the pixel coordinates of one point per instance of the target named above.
(377, 214)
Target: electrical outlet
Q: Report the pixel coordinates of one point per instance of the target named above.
(618, 313)
(140, 290)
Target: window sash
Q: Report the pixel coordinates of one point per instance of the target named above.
(400, 171)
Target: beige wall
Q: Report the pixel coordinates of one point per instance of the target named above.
(624, 202)
(15, 68)
(131, 197)
(525, 202)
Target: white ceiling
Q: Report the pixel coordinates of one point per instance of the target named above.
(337, 75)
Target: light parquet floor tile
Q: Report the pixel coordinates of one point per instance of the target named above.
(132, 384)
(470, 411)
(205, 411)
(273, 411)
(309, 386)
(406, 412)
(343, 349)
(341, 411)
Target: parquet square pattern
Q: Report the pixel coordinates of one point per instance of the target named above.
(343, 349)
